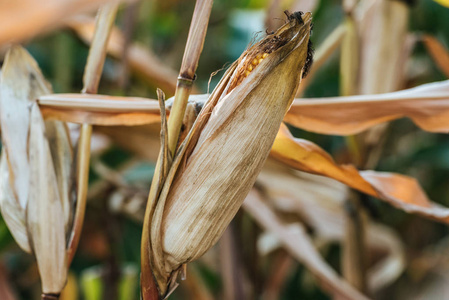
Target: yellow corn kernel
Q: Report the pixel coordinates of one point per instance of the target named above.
(250, 68)
(255, 61)
(246, 73)
(264, 55)
(260, 60)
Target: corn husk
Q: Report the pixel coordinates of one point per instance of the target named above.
(226, 149)
(36, 171)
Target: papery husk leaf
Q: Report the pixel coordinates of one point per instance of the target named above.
(23, 19)
(301, 248)
(45, 218)
(62, 154)
(22, 84)
(401, 191)
(12, 212)
(426, 105)
(210, 199)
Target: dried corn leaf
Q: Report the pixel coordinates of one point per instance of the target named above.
(140, 59)
(12, 212)
(427, 105)
(23, 19)
(438, 52)
(100, 109)
(319, 201)
(45, 219)
(62, 154)
(213, 198)
(400, 191)
(21, 85)
(300, 247)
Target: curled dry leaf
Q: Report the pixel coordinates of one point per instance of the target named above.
(299, 245)
(21, 84)
(140, 59)
(23, 19)
(426, 105)
(438, 52)
(196, 203)
(43, 222)
(45, 218)
(319, 201)
(400, 191)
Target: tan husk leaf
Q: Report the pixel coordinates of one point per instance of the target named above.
(45, 218)
(12, 212)
(400, 191)
(195, 207)
(43, 222)
(22, 83)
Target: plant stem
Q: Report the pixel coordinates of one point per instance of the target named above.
(91, 80)
(194, 47)
(354, 246)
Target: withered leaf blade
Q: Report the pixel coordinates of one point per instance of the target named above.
(319, 201)
(301, 248)
(12, 212)
(194, 211)
(426, 105)
(21, 84)
(438, 52)
(45, 218)
(23, 19)
(62, 154)
(398, 190)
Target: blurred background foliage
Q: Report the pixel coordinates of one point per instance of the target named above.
(109, 253)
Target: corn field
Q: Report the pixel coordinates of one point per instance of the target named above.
(255, 149)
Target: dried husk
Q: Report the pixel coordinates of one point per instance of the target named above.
(233, 141)
(45, 219)
(42, 153)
